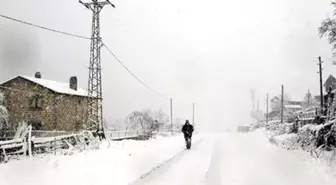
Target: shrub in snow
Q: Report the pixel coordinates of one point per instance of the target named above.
(287, 141)
(311, 138)
(318, 135)
(307, 137)
(257, 125)
(327, 135)
(277, 128)
(3, 113)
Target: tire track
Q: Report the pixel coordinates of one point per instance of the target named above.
(213, 175)
(160, 168)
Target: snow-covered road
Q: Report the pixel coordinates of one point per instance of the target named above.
(241, 159)
(186, 164)
(228, 159)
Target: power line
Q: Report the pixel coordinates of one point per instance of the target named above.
(88, 38)
(125, 67)
(44, 28)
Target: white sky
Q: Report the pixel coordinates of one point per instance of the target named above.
(211, 52)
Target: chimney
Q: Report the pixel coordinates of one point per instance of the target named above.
(73, 83)
(37, 75)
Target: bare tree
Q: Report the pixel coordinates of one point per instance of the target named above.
(161, 118)
(328, 29)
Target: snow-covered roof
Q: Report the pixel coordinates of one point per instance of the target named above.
(59, 87)
(310, 109)
(293, 106)
(298, 112)
(275, 98)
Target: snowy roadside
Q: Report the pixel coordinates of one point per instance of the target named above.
(325, 165)
(117, 162)
(249, 158)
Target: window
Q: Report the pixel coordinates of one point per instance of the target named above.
(36, 125)
(36, 102)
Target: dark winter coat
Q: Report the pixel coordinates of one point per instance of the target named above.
(187, 130)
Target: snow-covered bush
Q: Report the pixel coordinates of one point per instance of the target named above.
(310, 138)
(257, 125)
(3, 113)
(327, 136)
(307, 137)
(276, 128)
(287, 141)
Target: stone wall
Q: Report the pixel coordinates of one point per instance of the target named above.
(57, 112)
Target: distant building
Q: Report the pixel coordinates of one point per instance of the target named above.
(289, 107)
(330, 82)
(292, 108)
(275, 103)
(273, 115)
(45, 104)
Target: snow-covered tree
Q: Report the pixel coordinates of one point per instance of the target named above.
(161, 117)
(328, 28)
(309, 101)
(3, 113)
(147, 120)
(140, 120)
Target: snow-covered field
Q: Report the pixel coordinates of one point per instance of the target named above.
(230, 159)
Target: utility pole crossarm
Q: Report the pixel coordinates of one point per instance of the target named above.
(101, 4)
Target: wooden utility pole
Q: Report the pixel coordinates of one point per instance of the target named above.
(171, 114)
(267, 108)
(282, 102)
(321, 86)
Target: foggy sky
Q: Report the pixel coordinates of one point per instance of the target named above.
(209, 52)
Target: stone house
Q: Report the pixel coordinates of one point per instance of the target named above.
(45, 104)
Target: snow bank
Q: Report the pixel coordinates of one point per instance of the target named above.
(278, 165)
(285, 137)
(116, 162)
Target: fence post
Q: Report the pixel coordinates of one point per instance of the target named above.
(54, 146)
(29, 141)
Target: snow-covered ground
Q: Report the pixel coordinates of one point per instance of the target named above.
(119, 162)
(230, 159)
(249, 159)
